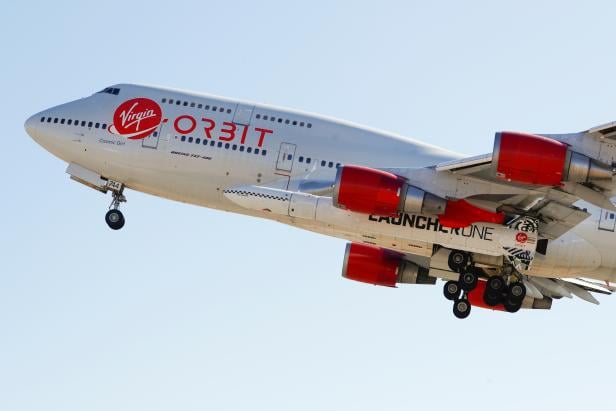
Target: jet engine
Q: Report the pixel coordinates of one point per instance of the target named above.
(370, 191)
(379, 266)
(533, 159)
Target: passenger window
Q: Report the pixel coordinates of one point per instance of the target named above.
(90, 124)
(234, 147)
(294, 123)
(83, 124)
(331, 164)
(308, 160)
(200, 105)
(104, 127)
(219, 144)
(55, 120)
(164, 100)
(49, 119)
(309, 125)
(301, 159)
(212, 143)
(192, 104)
(241, 148)
(258, 116)
(256, 151)
(289, 157)
(97, 125)
(198, 141)
(221, 110)
(287, 121)
(301, 124)
(42, 119)
(69, 122)
(185, 103)
(227, 146)
(177, 103)
(263, 152)
(249, 150)
(170, 101)
(228, 111)
(190, 139)
(183, 138)
(322, 163)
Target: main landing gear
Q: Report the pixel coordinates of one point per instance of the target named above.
(114, 217)
(457, 291)
(506, 289)
(499, 292)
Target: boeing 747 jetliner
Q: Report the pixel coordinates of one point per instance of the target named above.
(530, 222)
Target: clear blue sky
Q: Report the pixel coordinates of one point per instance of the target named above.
(193, 309)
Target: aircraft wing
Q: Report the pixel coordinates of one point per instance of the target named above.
(479, 180)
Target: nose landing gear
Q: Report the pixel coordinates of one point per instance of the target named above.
(114, 217)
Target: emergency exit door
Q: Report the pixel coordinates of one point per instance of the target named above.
(607, 221)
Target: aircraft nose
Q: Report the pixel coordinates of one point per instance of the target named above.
(31, 126)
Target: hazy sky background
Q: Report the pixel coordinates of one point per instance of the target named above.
(192, 309)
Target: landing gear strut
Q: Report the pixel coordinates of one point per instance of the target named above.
(114, 217)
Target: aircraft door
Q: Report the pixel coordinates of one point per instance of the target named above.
(151, 141)
(607, 221)
(286, 156)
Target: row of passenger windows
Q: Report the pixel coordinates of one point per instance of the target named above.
(72, 122)
(197, 105)
(308, 160)
(220, 144)
(228, 111)
(286, 121)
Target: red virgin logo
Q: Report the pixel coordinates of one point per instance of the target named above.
(136, 119)
(521, 237)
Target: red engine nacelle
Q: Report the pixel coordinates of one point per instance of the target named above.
(370, 191)
(379, 266)
(532, 159)
(366, 190)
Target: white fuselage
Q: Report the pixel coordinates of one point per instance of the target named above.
(208, 144)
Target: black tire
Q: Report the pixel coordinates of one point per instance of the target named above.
(512, 306)
(517, 292)
(461, 308)
(457, 260)
(115, 219)
(468, 279)
(452, 290)
(495, 285)
(492, 300)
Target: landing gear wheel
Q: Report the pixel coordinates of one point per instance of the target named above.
(461, 308)
(114, 219)
(468, 279)
(495, 285)
(512, 306)
(492, 300)
(452, 290)
(457, 260)
(517, 292)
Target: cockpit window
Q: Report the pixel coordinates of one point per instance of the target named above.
(110, 90)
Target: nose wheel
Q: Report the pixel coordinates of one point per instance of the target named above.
(114, 217)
